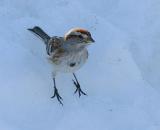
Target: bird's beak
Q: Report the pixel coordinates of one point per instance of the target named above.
(91, 40)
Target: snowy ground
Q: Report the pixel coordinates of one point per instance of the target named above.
(121, 78)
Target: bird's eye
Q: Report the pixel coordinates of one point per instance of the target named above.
(80, 36)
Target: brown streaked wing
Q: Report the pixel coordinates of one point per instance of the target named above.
(59, 53)
(53, 44)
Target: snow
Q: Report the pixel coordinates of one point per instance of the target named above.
(121, 76)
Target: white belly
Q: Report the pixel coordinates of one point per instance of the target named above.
(71, 62)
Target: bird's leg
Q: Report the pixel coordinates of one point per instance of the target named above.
(78, 87)
(56, 94)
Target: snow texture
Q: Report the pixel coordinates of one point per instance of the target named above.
(121, 77)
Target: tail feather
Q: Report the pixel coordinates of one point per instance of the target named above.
(38, 31)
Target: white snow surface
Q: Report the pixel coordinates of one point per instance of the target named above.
(121, 77)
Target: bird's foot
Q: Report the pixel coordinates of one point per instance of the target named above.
(78, 88)
(56, 94)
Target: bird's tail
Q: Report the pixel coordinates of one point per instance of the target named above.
(39, 32)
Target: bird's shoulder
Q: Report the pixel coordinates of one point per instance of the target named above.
(56, 42)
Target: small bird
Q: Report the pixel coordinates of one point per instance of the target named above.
(67, 53)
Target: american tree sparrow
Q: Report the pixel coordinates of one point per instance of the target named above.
(67, 54)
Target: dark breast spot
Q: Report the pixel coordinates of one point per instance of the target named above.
(72, 64)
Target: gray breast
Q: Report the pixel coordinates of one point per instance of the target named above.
(72, 61)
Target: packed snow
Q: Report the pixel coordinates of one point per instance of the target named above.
(121, 77)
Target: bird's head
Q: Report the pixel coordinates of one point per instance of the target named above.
(81, 35)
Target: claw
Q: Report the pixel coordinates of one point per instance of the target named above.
(78, 88)
(56, 94)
